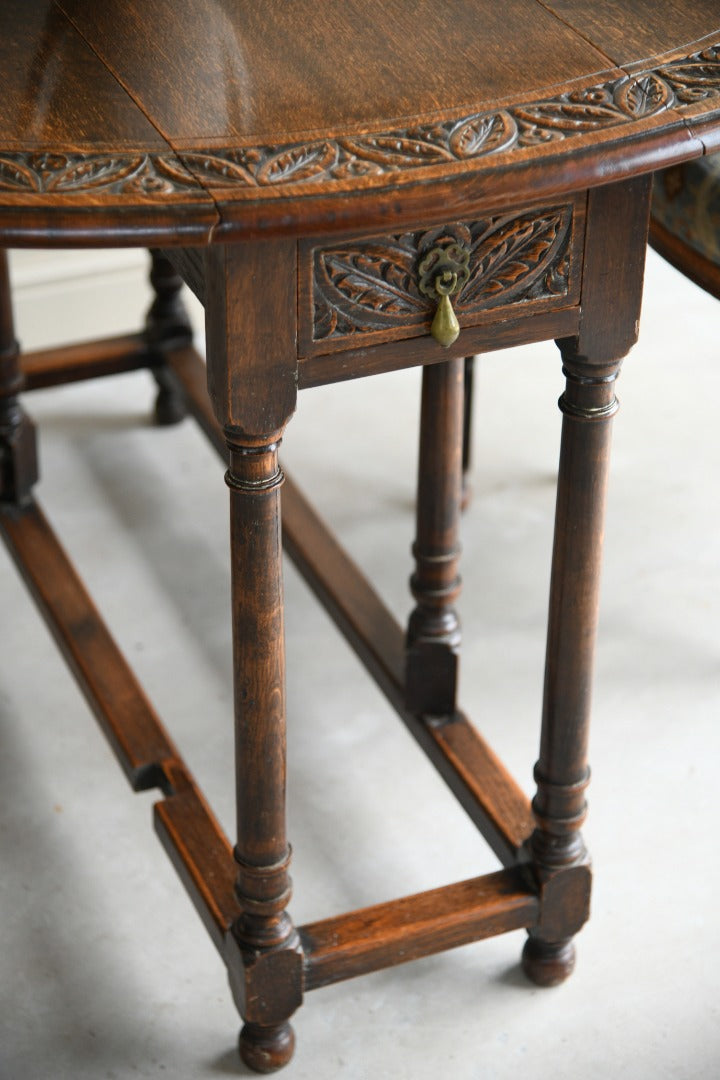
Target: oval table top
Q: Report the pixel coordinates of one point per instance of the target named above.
(191, 121)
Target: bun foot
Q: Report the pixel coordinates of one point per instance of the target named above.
(548, 963)
(266, 1049)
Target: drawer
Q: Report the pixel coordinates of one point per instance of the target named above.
(361, 291)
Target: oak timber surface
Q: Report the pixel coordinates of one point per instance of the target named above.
(285, 71)
(71, 137)
(256, 118)
(641, 29)
(55, 90)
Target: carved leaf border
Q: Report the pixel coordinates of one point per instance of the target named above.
(114, 174)
(374, 286)
(630, 98)
(680, 83)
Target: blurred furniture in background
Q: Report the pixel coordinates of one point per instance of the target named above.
(685, 219)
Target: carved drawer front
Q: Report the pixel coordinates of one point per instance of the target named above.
(366, 290)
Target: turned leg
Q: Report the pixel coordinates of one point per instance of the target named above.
(252, 380)
(610, 306)
(562, 773)
(433, 636)
(264, 930)
(18, 454)
(166, 324)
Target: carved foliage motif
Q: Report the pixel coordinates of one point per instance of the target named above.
(373, 285)
(620, 101)
(117, 174)
(680, 83)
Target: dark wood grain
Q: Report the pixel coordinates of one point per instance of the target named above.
(403, 196)
(190, 833)
(327, 68)
(57, 92)
(200, 852)
(629, 33)
(463, 105)
(127, 718)
(344, 592)
(396, 355)
(85, 360)
(480, 782)
(420, 925)
(359, 291)
(620, 211)
(252, 381)
(267, 941)
(251, 319)
(190, 264)
(487, 792)
(309, 153)
(475, 774)
(73, 140)
(433, 634)
(614, 262)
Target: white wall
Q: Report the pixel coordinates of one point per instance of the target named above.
(62, 296)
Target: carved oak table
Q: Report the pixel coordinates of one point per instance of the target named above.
(347, 199)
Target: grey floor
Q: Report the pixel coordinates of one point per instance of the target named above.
(106, 971)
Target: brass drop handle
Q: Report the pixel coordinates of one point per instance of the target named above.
(443, 273)
(445, 328)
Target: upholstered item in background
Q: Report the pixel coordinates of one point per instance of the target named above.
(685, 226)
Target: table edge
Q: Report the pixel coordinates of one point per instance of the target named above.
(583, 135)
